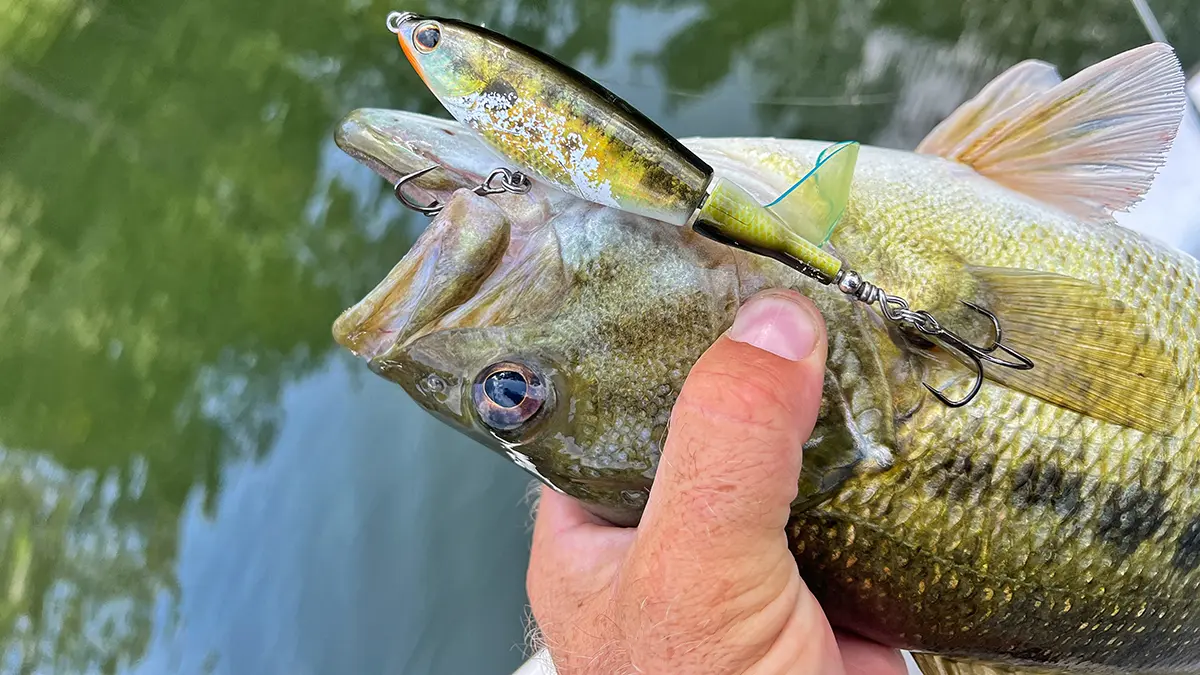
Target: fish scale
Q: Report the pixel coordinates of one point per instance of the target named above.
(1129, 451)
(992, 535)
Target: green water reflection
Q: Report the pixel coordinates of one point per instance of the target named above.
(192, 478)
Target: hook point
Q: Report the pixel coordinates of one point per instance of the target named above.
(946, 401)
(434, 207)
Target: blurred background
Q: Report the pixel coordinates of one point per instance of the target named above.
(193, 477)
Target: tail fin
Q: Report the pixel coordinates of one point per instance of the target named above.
(814, 205)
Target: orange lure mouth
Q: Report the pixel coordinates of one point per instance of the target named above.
(403, 24)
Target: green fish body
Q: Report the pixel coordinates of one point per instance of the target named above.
(1050, 526)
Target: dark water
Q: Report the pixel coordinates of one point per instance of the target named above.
(193, 479)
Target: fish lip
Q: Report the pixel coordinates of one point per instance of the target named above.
(395, 143)
(352, 136)
(403, 24)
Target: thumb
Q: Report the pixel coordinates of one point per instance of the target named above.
(732, 458)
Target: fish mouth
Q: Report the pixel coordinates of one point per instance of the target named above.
(403, 24)
(424, 282)
(481, 261)
(442, 271)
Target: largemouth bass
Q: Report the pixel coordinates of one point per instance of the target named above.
(1052, 526)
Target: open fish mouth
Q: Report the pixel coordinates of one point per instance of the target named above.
(392, 146)
(444, 269)
(480, 261)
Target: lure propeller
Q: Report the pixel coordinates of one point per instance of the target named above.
(814, 205)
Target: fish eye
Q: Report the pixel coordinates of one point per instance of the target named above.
(508, 394)
(426, 37)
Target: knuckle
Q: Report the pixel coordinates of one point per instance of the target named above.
(735, 397)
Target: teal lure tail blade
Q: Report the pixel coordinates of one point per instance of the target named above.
(814, 205)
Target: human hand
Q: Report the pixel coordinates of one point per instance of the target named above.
(706, 583)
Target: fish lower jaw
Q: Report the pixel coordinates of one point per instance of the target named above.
(364, 343)
(376, 324)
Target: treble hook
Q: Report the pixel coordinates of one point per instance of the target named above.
(897, 310)
(513, 182)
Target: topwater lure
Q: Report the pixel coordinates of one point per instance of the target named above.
(560, 126)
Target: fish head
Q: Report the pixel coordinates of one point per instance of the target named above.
(490, 383)
(569, 366)
(453, 58)
(559, 332)
(555, 331)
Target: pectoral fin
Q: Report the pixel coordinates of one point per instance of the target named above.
(931, 664)
(1092, 353)
(855, 432)
(1089, 145)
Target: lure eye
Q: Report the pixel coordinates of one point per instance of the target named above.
(426, 37)
(507, 395)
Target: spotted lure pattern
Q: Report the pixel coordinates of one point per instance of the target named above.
(553, 122)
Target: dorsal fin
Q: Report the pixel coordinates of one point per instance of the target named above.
(1015, 85)
(1089, 145)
